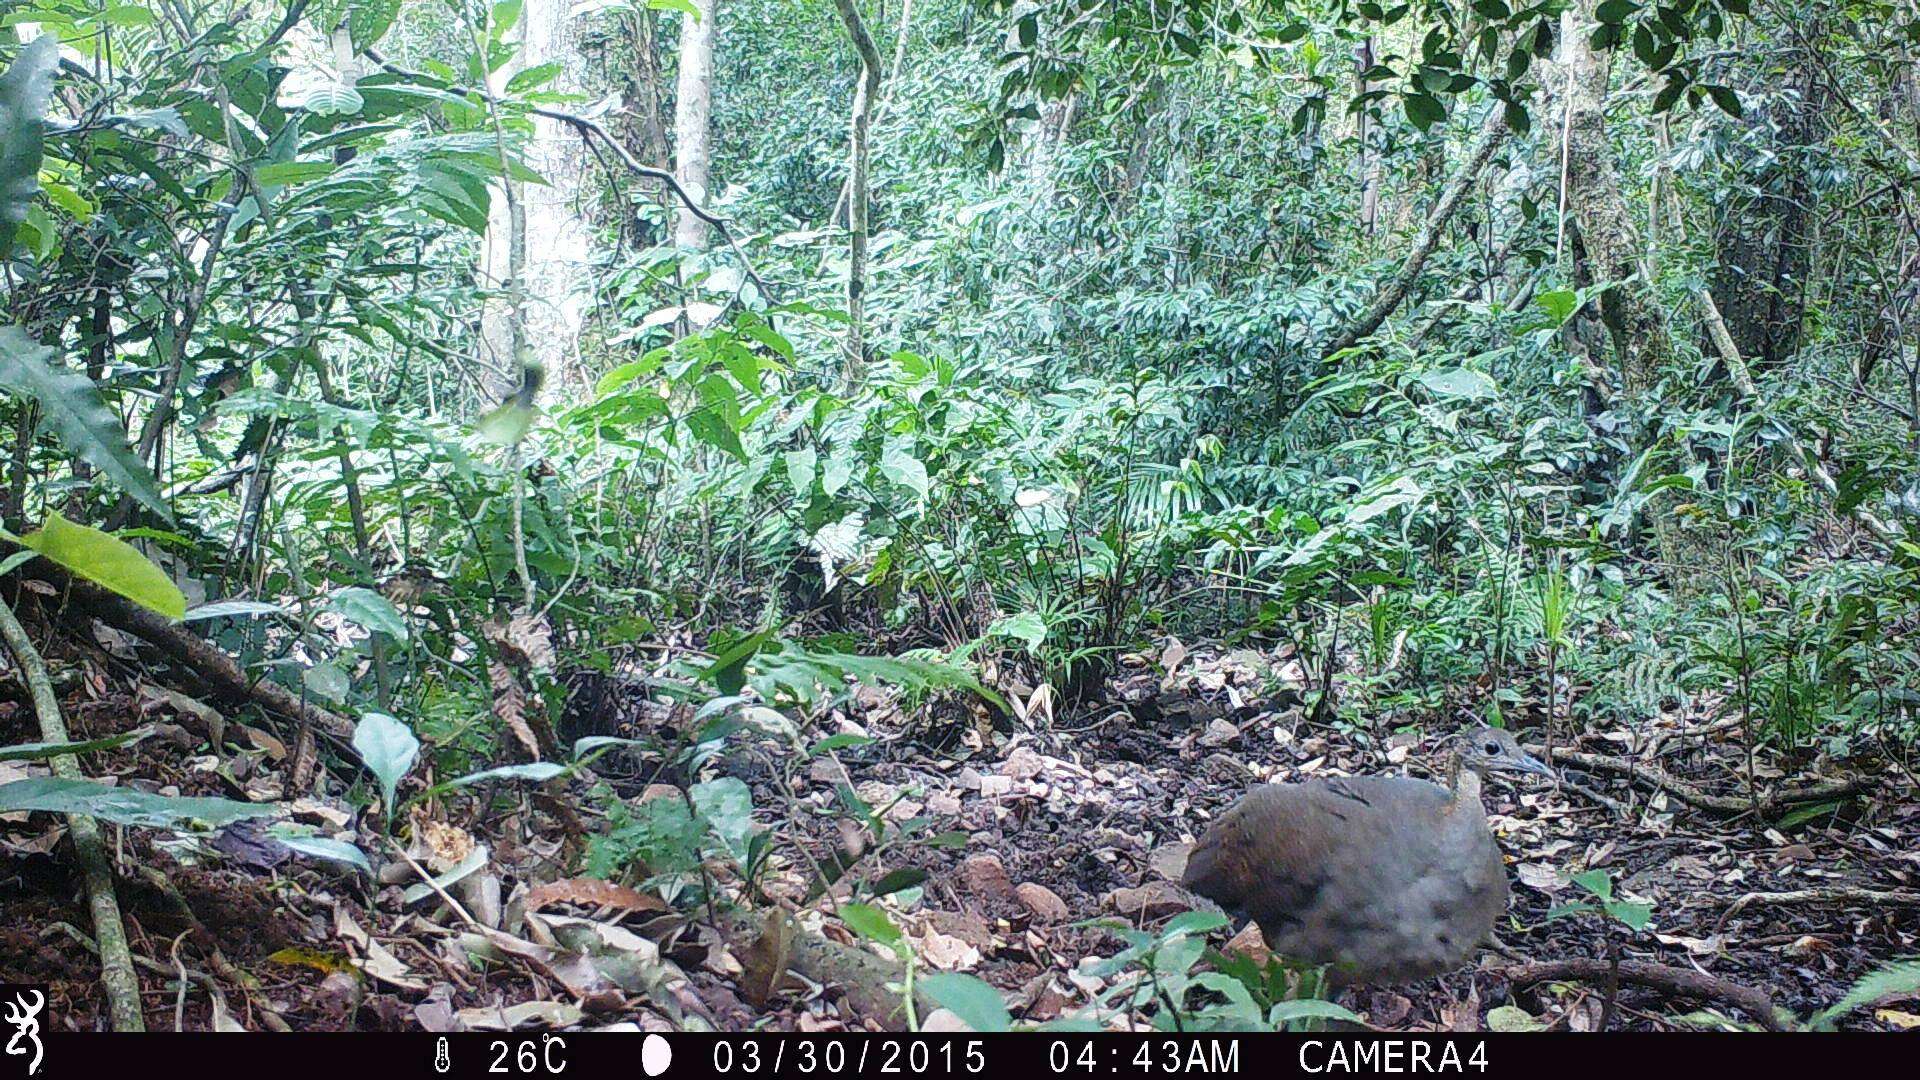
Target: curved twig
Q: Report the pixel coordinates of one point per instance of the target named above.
(1674, 980)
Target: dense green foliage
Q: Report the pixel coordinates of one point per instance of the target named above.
(1110, 246)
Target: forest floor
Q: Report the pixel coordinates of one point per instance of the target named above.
(1064, 820)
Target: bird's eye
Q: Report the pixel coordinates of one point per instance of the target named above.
(1492, 749)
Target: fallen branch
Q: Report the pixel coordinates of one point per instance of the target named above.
(117, 977)
(1652, 776)
(189, 650)
(1823, 894)
(1673, 980)
(868, 983)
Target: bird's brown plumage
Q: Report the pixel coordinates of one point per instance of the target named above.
(1384, 879)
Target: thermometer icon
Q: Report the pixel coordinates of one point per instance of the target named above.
(440, 1061)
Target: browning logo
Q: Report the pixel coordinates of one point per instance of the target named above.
(20, 1007)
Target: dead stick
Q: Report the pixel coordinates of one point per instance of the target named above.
(191, 651)
(1674, 980)
(117, 977)
(1655, 777)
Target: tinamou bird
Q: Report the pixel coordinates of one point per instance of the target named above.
(1383, 879)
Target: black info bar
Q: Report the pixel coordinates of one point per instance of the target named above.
(749, 1056)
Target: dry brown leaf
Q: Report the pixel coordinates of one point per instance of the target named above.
(764, 963)
(510, 705)
(586, 890)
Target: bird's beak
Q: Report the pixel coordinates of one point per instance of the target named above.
(1527, 763)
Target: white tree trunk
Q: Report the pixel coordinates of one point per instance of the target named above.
(692, 120)
(548, 249)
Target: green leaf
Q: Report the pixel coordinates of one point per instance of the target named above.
(802, 469)
(727, 806)
(1635, 916)
(507, 424)
(40, 751)
(1513, 1018)
(282, 173)
(537, 771)
(1026, 626)
(1899, 977)
(1459, 383)
(1308, 1009)
(1596, 882)
(233, 609)
(1725, 97)
(863, 919)
(124, 806)
(334, 99)
(320, 847)
(109, 562)
(1423, 111)
(388, 749)
(972, 999)
(369, 610)
(838, 742)
(83, 423)
(900, 466)
(327, 682)
(906, 877)
(1559, 304)
(25, 89)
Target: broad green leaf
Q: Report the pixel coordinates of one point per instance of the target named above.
(1513, 1018)
(1456, 383)
(1309, 1009)
(320, 847)
(900, 466)
(507, 424)
(727, 806)
(333, 99)
(124, 806)
(25, 89)
(841, 741)
(802, 469)
(109, 562)
(970, 998)
(1026, 626)
(282, 173)
(1423, 111)
(388, 749)
(73, 409)
(1559, 304)
(327, 682)
(369, 610)
(869, 922)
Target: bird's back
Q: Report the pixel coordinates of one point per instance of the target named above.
(1385, 878)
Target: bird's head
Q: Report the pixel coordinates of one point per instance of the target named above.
(1486, 750)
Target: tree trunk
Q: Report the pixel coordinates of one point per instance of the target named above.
(864, 94)
(648, 131)
(537, 246)
(1765, 236)
(1368, 161)
(1578, 85)
(692, 120)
